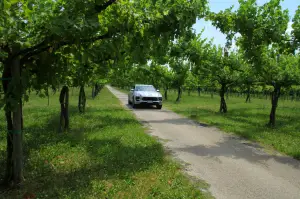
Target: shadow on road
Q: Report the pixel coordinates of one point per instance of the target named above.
(231, 147)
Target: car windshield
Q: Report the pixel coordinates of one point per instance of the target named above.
(145, 88)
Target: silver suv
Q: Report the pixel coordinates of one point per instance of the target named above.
(144, 94)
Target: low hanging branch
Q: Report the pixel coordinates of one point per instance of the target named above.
(100, 8)
(27, 54)
(64, 109)
(46, 43)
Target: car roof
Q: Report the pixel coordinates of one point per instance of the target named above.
(143, 85)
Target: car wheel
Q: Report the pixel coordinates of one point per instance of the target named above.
(158, 106)
(133, 104)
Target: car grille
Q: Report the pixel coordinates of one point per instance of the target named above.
(149, 98)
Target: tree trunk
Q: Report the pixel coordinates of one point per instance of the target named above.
(6, 79)
(166, 94)
(189, 92)
(9, 150)
(82, 100)
(96, 90)
(64, 109)
(179, 94)
(274, 100)
(223, 106)
(248, 94)
(93, 92)
(17, 154)
(199, 90)
(48, 96)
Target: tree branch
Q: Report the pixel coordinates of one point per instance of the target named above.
(44, 45)
(100, 8)
(34, 48)
(60, 44)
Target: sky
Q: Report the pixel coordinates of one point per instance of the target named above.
(217, 5)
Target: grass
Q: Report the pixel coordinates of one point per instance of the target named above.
(106, 154)
(246, 119)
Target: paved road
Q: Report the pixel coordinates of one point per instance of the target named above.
(234, 168)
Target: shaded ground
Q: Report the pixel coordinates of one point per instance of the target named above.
(106, 154)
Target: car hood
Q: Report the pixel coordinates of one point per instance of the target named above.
(148, 93)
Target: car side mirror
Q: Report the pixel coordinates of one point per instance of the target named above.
(132, 89)
(157, 90)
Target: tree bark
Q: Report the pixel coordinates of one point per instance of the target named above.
(17, 155)
(223, 106)
(274, 101)
(93, 92)
(248, 94)
(9, 150)
(81, 100)
(96, 90)
(199, 90)
(64, 109)
(166, 94)
(179, 94)
(6, 79)
(48, 96)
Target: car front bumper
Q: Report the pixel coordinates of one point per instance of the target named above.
(148, 100)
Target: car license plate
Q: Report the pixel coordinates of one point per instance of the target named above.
(150, 102)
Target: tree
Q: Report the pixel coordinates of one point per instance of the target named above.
(279, 71)
(179, 62)
(213, 63)
(225, 69)
(167, 80)
(248, 79)
(190, 82)
(180, 69)
(36, 31)
(258, 26)
(263, 38)
(296, 30)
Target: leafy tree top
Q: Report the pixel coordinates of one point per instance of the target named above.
(258, 25)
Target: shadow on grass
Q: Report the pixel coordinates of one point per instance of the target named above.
(108, 159)
(116, 161)
(49, 134)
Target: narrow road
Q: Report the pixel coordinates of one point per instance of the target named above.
(234, 168)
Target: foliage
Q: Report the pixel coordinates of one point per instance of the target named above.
(281, 69)
(68, 42)
(190, 81)
(258, 26)
(296, 28)
(263, 38)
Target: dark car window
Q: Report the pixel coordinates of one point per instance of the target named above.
(145, 88)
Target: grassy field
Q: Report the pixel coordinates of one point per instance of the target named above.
(246, 119)
(106, 154)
